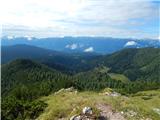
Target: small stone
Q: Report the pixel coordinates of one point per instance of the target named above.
(75, 117)
(115, 94)
(122, 112)
(72, 118)
(87, 110)
(76, 92)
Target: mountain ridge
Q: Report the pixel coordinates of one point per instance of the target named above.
(135, 63)
(102, 45)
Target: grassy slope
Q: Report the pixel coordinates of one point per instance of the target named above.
(114, 76)
(66, 104)
(117, 76)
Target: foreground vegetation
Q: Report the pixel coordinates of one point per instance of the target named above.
(65, 104)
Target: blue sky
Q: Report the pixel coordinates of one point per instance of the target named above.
(56, 18)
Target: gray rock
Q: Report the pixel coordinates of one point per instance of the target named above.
(87, 110)
(71, 89)
(75, 117)
(115, 94)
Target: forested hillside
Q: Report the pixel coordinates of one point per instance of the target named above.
(34, 77)
(24, 81)
(137, 64)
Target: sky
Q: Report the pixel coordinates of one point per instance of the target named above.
(58, 18)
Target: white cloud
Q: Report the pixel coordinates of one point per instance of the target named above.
(28, 37)
(77, 17)
(90, 49)
(130, 43)
(72, 46)
(10, 37)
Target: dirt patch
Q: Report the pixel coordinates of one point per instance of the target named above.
(107, 113)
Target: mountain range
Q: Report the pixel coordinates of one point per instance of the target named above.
(132, 62)
(101, 45)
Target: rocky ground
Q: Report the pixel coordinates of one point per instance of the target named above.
(107, 113)
(69, 104)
